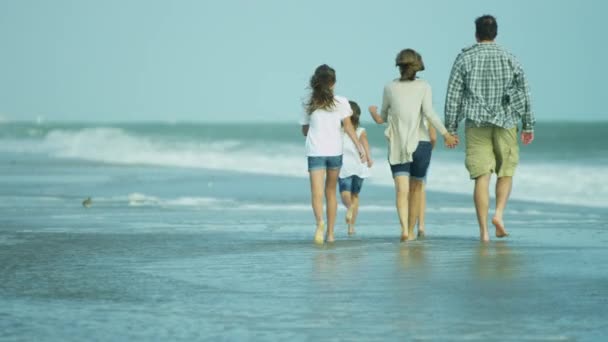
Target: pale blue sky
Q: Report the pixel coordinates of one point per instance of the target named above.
(237, 60)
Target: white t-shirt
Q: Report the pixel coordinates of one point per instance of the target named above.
(351, 161)
(324, 137)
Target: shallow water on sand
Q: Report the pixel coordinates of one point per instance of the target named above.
(183, 254)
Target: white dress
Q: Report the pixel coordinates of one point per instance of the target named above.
(351, 162)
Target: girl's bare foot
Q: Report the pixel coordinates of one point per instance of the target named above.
(410, 234)
(319, 233)
(404, 236)
(349, 215)
(500, 227)
(484, 237)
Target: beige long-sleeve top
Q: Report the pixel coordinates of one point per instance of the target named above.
(405, 104)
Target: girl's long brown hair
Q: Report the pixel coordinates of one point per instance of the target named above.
(322, 96)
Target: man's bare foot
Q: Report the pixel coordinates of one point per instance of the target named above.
(500, 227)
(319, 233)
(351, 229)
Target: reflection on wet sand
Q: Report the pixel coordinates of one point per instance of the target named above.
(337, 264)
(412, 255)
(495, 261)
(325, 265)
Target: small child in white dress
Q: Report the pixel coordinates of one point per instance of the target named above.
(353, 170)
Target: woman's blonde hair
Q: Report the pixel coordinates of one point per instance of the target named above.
(409, 62)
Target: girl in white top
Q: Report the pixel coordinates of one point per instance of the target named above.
(325, 113)
(353, 171)
(406, 102)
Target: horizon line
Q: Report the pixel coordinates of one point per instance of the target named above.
(228, 122)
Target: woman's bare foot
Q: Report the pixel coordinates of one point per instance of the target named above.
(500, 227)
(319, 233)
(421, 233)
(351, 229)
(330, 238)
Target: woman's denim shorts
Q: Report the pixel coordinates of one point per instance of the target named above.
(419, 166)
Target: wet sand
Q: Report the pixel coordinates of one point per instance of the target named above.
(231, 271)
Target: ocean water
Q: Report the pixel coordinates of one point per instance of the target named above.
(203, 232)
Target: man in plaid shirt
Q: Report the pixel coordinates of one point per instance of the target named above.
(488, 88)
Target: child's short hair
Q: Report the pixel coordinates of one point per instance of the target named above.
(356, 113)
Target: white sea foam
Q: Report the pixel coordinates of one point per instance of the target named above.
(564, 183)
(230, 204)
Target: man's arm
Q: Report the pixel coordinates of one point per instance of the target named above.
(454, 96)
(527, 117)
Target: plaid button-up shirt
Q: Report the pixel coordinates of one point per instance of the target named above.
(488, 87)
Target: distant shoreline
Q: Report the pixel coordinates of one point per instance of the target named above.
(240, 123)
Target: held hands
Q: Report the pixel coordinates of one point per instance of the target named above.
(450, 140)
(527, 137)
(362, 153)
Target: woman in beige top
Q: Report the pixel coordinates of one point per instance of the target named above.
(406, 103)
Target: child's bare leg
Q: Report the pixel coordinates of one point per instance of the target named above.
(354, 209)
(421, 217)
(414, 205)
(316, 191)
(346, 200)
(402, 188)
(331, 181)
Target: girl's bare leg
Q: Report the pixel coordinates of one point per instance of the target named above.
(331, 182)
(354, 210)
(316, 191)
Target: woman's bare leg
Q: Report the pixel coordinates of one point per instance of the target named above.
(402, 188)
(414, 206)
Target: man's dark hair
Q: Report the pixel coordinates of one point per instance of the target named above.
(486, 27)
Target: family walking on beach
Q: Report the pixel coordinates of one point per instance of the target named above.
(487, 87)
